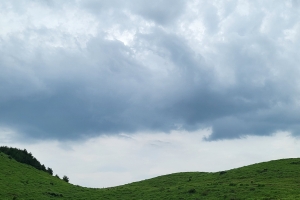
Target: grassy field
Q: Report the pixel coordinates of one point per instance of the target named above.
(279, 179)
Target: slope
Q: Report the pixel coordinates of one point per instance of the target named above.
(269, 180)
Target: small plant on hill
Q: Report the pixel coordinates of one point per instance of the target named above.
(50, 171)
(65, 178)
(191, 191)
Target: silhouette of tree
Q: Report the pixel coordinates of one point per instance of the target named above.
(23, 156)
(65, 178)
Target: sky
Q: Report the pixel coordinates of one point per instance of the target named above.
(111, 92)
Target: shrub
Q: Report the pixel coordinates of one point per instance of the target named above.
(53, 194)
(191, 191)
(295, 162)
(50, 171)
(223, 172)
(65, 178)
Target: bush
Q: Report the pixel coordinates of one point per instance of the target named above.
(50, 171)
(222, 172)
(65, 178)
(191, 191)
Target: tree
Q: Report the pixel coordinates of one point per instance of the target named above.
(65, 178)
(50, 171)
(23, 156)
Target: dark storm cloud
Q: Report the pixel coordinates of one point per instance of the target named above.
(91, 68)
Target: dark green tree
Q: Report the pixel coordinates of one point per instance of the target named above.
(50, 171)
(23, 156)
(65, 178)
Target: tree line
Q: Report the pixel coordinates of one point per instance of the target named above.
(25, 157)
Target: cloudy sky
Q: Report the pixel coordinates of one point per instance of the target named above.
(127, 90)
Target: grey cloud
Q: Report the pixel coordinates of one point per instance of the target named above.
(240, 79)
(103, 94)
(161, 11)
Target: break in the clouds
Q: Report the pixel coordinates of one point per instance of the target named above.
(73, 69)
(107, 161)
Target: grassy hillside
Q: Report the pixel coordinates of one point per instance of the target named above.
(278, 179)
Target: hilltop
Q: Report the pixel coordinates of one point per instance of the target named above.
(278, 179)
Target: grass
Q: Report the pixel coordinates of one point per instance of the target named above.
(279, 179)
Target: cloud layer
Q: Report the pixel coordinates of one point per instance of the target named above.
(78, 69)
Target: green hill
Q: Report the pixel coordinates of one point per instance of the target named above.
(279, 179)
(23, 156)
